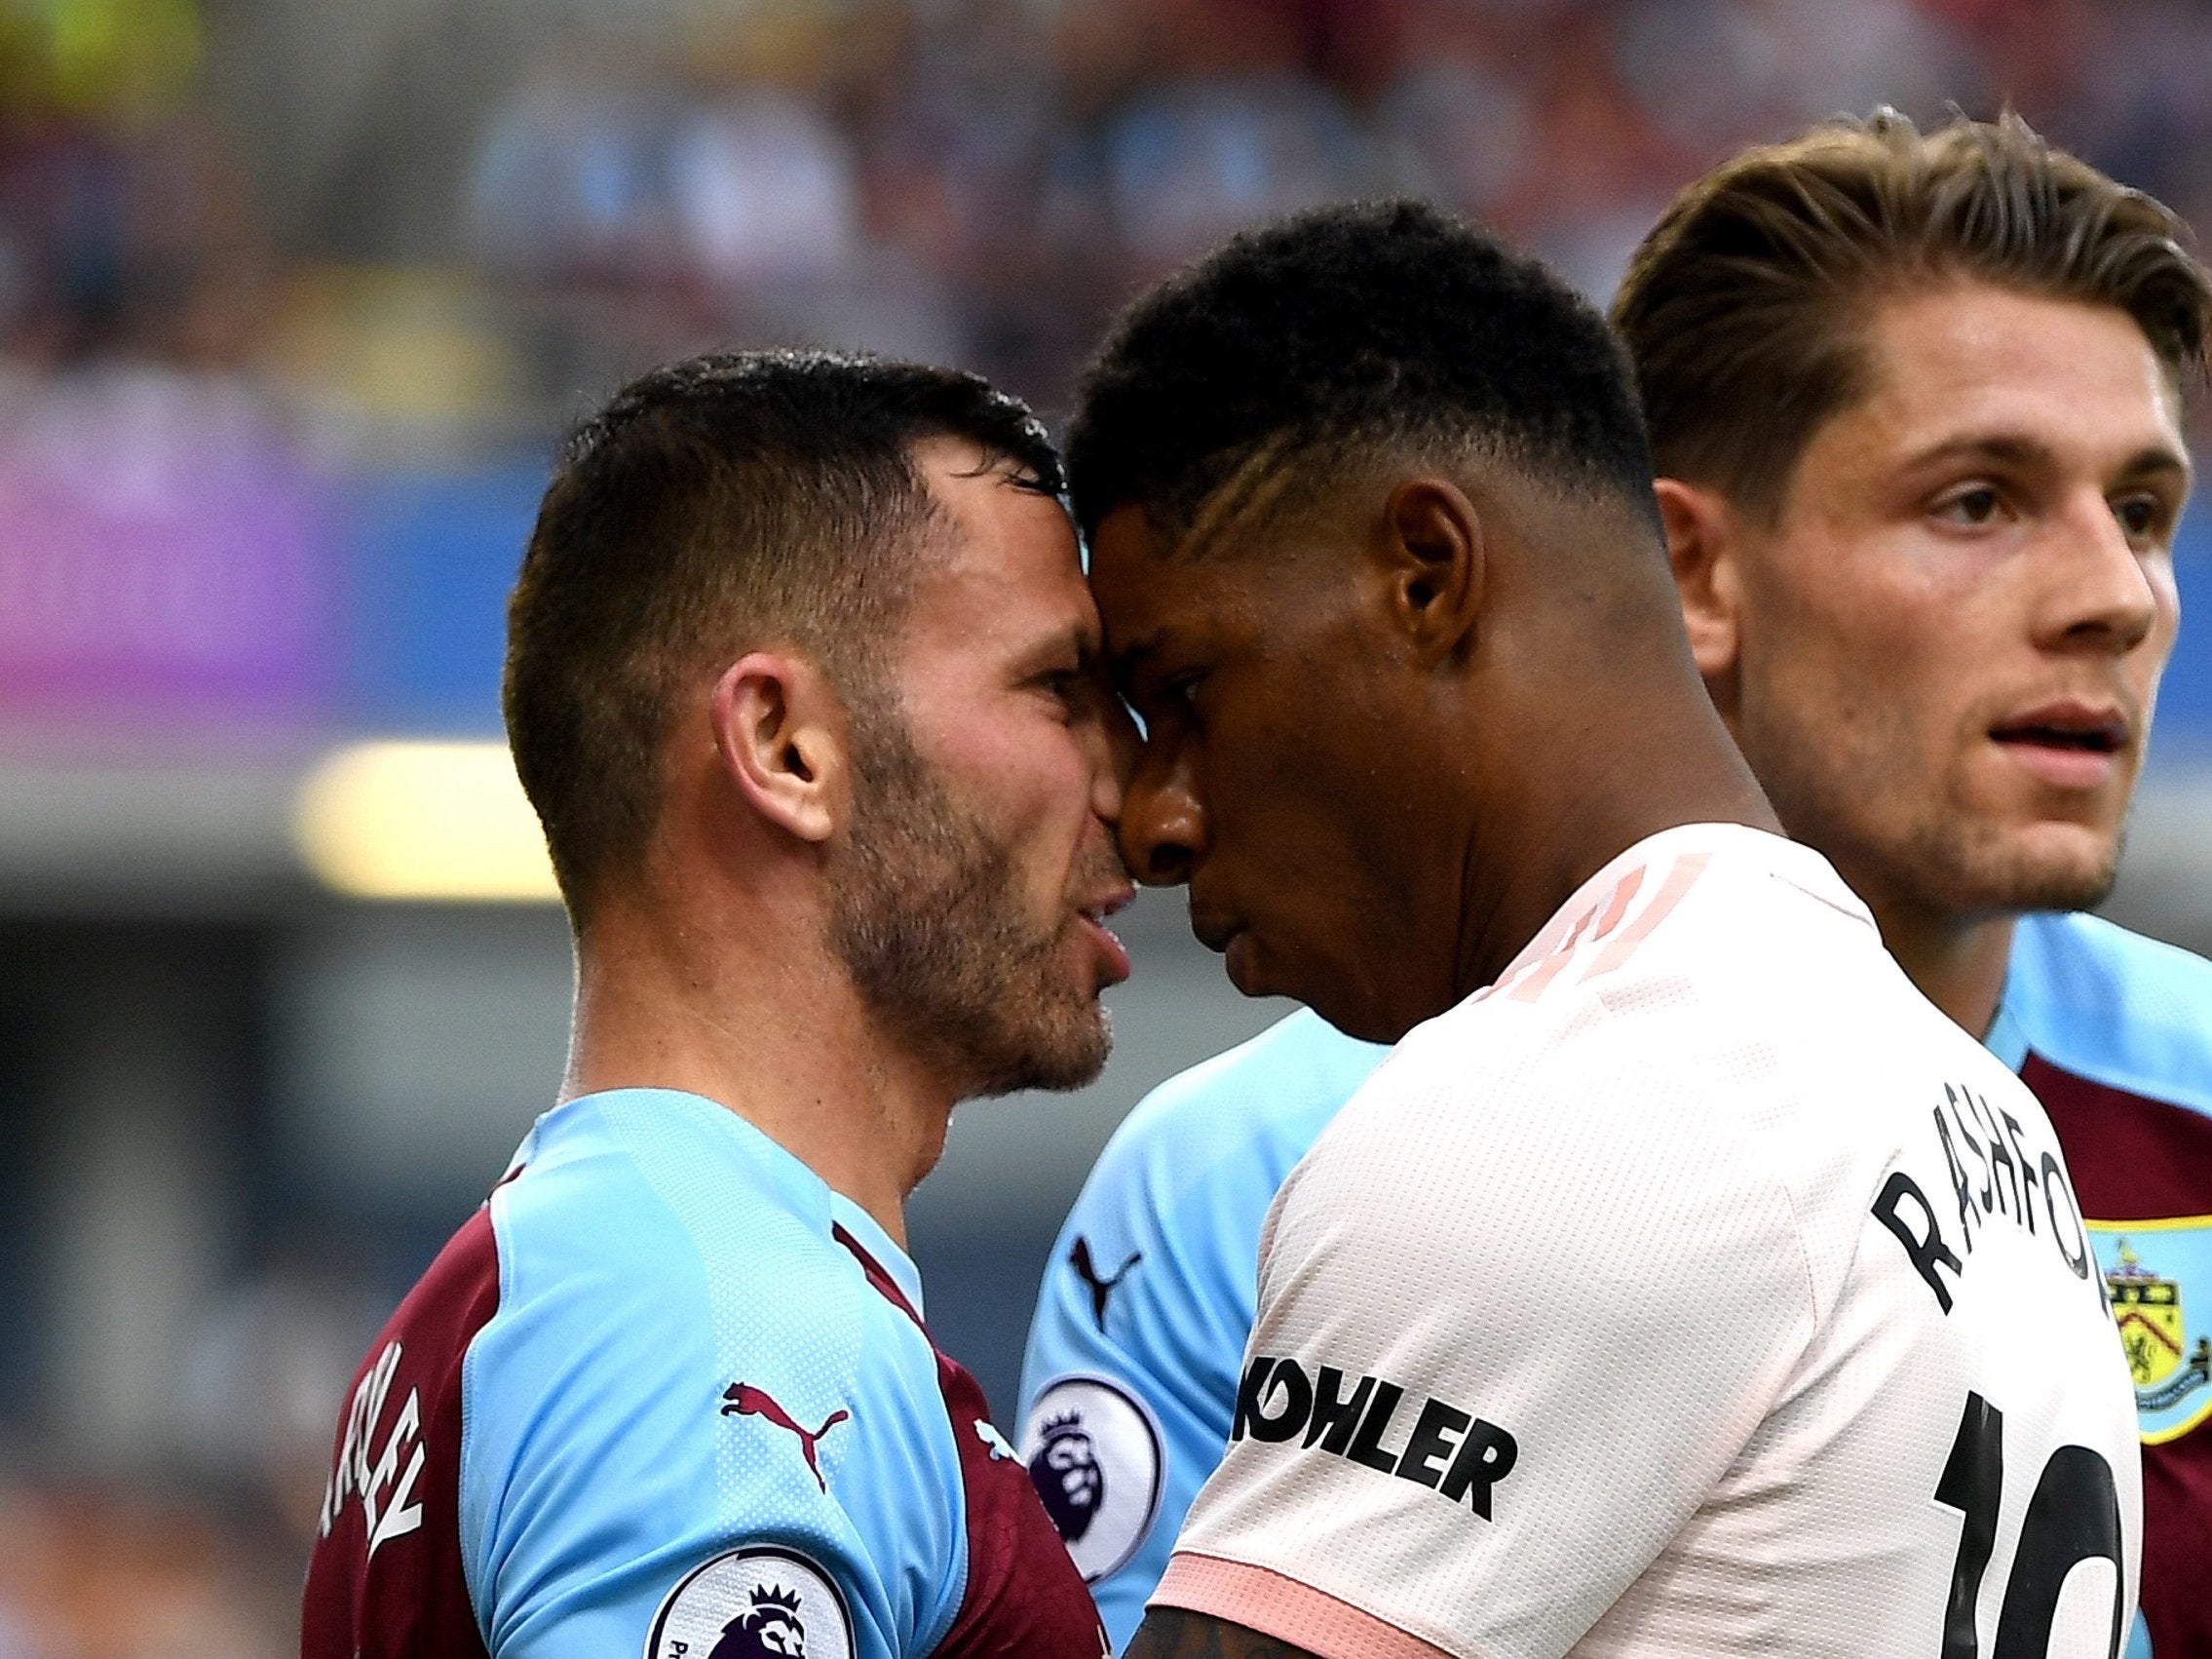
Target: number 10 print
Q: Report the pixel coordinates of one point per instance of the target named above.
(2073, 1517)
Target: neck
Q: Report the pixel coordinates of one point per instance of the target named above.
(778, 1037)
(1671, 763)
(1958, 963)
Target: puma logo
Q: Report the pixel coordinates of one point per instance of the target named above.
(995, 1443)
(1079, 1258)
(742, 1400)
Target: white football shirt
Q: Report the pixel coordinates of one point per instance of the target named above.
(1697, 1288)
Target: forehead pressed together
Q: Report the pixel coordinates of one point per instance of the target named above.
(1239, 400)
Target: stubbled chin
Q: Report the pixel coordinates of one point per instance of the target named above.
(2039, 864)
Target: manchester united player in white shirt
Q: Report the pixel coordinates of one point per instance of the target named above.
(1687, 1284)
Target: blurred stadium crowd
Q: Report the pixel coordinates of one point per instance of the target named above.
(243, 259)
(973, 179)
(249, 259)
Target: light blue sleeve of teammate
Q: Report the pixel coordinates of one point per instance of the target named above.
(1129, 1382)
(672, 1443)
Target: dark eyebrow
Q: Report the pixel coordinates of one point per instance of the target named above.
(1080, 639)
(2015, 450)
(1054, 650)
(2011, 450)
(2157, 458)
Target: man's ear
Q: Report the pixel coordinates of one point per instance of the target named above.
(778, 727)
(1705, 546)
(1434, 563)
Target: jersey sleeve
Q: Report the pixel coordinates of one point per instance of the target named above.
(664, 1460)
(1127, 1405)
(1129, 1382)
(1510, 1332)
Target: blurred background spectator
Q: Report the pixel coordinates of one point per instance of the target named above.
(294, 299)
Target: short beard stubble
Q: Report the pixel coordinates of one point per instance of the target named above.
(926, 915)
(1944, 860)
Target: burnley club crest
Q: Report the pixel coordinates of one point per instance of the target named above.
(2156, 1274)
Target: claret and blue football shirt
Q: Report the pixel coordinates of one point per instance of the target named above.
(667, 1394)
(2113, 1033)
(1132, 1373)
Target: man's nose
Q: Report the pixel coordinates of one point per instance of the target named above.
(2100, 594)
(1163, 825)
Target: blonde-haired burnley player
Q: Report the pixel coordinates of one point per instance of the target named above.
(1685, 1283)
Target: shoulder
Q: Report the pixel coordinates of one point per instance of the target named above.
(1243, 1118)
(626, 1232)
(2114, 1007)
(1275, 1092)
(1705, 942)
(1507, 1144)
(1678, 1103)
(1151, 1280)
(646, 1259)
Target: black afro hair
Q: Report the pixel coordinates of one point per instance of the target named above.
(1366, 322)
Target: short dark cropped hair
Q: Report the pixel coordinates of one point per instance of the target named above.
(1334, 334)
(715, 505)
(1745, 307)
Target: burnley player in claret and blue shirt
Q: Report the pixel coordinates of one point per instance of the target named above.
(801, 683)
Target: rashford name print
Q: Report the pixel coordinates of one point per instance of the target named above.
(1995, 1174)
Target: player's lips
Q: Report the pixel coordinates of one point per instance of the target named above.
(1094, 915)
(1237, 964)
(2066, 744)
(1212, 929)
(1231, 938)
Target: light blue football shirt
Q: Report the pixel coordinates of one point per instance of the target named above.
(668, 1395)
(656, 1251)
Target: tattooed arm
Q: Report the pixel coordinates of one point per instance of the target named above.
(1167, 1632)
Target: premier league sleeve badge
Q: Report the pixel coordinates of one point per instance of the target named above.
(1093, 1454)
(758, 1602)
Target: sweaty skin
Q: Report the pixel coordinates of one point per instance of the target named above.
(1369, 754)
